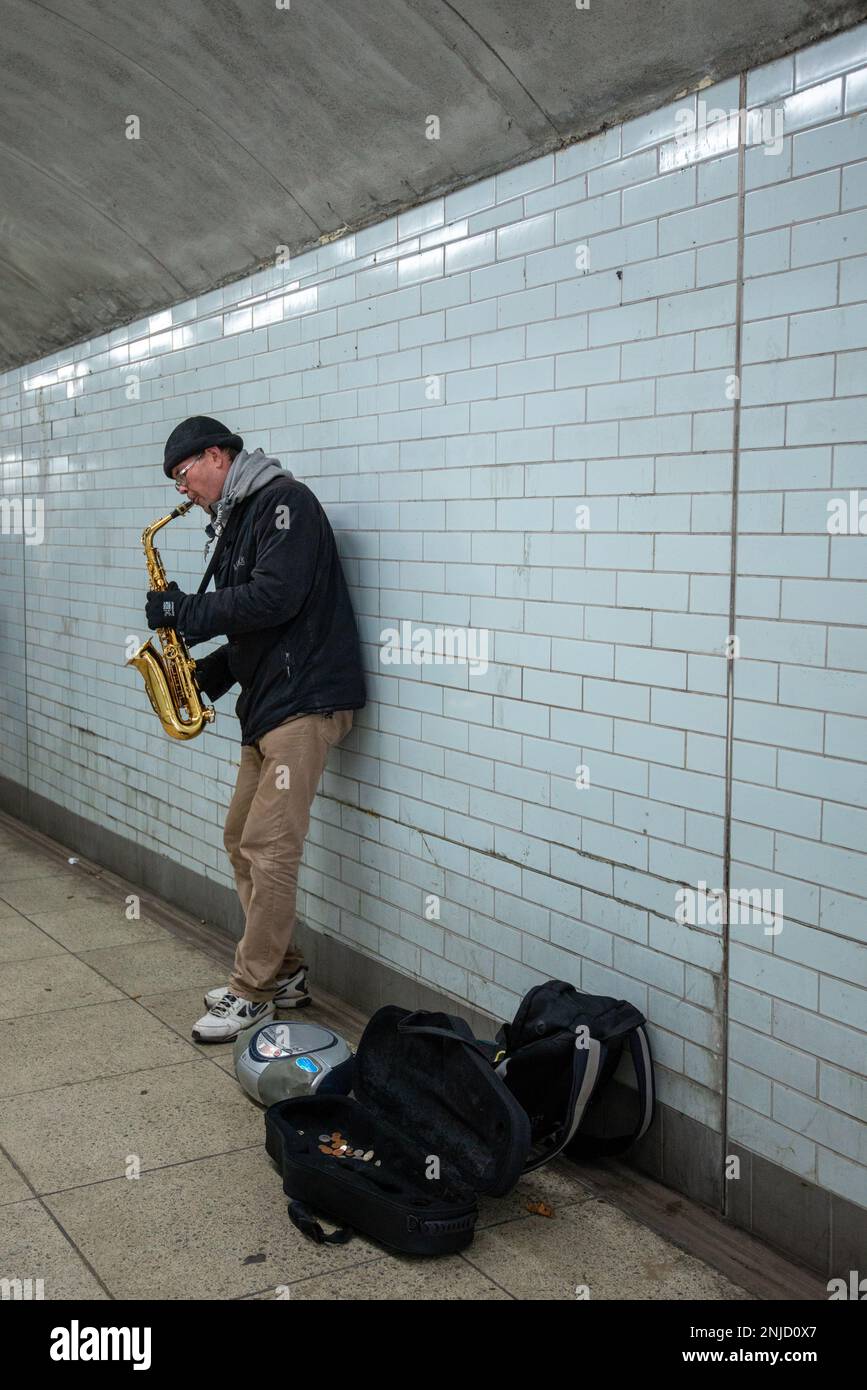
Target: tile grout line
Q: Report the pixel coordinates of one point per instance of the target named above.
(105, 1076)
(730, 664)
(37, 1197)
(308, 1278)
(24, 595)
(158, 1168)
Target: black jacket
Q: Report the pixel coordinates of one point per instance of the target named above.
(281, 598)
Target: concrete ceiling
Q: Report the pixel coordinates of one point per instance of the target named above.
(263, 126)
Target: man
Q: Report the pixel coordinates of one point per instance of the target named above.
(281, 599)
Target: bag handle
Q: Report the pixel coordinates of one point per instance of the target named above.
(589, 1146)
(429, 1030)
(306, 1222)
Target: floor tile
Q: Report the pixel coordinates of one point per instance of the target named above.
(21, 940)
(32, 1247)
(216, 1228)
(149, 966)
(399, 1277)
(49, 983)
(13, 1188)
(556, 1185)
(21, 864)
(86, 1132)
(96, 927)
(593, 1245)
(55, 1048)
(58, 891)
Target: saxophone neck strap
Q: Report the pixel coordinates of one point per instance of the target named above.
(206, 578)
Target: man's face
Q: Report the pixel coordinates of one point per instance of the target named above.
(202, 476)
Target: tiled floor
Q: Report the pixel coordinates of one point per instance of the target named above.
(99, 1077)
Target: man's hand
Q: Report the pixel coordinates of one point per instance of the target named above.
(213, 674)
(163, 606)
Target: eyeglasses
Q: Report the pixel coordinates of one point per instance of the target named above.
(179, 480)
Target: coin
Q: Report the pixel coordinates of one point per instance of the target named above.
(378, 1163)
(325, 1138)
(368, 1156)
(358, 1153)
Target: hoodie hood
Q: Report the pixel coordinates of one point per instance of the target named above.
(249, 472)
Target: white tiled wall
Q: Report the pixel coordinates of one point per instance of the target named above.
(453, 383)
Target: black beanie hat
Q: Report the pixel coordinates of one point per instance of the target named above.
(195, 434)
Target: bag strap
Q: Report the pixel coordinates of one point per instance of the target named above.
(303, 1218)
(589, 1146)
(587, 1068)
(429, 1030)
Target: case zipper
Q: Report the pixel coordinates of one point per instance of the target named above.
(456, 1223)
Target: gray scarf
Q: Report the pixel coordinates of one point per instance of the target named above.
(248, 473)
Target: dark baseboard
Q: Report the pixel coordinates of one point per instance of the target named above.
(824, 1232)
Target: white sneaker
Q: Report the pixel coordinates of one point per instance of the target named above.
(291, 992)
(229, 1017)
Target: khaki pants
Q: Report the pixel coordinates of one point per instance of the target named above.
(266, 826)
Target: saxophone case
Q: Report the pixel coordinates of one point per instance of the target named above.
(444, 1126)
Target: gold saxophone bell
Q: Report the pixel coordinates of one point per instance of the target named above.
(169, 675)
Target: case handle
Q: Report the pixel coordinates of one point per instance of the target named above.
(407, 1026)
(306, 1222)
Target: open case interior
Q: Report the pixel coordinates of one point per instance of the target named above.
(416, 1098)
(402, 1164)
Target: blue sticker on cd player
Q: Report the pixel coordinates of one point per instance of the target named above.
(306, 1064)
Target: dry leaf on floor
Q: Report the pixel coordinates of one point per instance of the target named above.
(540, 1209)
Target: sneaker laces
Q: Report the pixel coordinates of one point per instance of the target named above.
(223, 1006)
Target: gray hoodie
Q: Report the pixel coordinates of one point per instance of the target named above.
(249, 472)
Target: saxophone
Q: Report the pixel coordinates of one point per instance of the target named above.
(169, 675)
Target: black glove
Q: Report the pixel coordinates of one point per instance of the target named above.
(163, 606)
(213, 673)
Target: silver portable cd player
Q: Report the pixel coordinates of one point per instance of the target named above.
(278, 1060)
